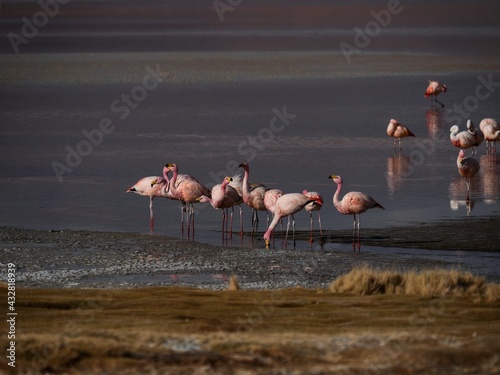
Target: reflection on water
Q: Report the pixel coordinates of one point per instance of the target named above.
(434, 117)
(485, 185)
(399, 167)
(490, 177)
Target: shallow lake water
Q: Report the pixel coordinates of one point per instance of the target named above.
(294, 133)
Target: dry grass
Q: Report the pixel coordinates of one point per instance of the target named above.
(233, 284)
(179, 330)
(428, 283)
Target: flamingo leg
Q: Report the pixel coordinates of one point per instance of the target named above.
(151, 216)
(287, 228)
(320, 228)
(223, 220)
(359, 239)
(293, 229)
(437, 101)
(241, 221)
(354, 233)
(311, 235)
(231, 223)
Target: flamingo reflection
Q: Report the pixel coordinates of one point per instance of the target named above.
(490, 178)
(434, 117)
(399, 167)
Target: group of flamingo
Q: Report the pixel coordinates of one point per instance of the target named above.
(234, 191)
(467, 166)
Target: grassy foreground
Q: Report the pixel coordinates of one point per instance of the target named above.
(447, 322)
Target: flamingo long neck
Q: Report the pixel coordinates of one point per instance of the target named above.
(336, 197)
(245, 181)
(273, 224)
(173, 188)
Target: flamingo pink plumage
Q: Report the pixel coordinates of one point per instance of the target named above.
(397, 130)
(314, 206)
(434, 89)
(353, 203)
(224, 197)
(187, 191)
(287, 205)
(476, 133)
(491, 132)
(461, 139)
(253, 195)
(468, 168)
(149, 187)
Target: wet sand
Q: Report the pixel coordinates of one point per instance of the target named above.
(124, 260)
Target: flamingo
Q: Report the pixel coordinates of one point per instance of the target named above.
(468, 168)
(287, 205)
(433, 90)
(491, 131)
(314, 206)
(253, 195)
(187, 191)
(463, 139)
(149, 187)
(353, 203)
(398, 131)
(476, 133)
(224, 197)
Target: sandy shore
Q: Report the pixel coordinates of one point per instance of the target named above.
(124, 260)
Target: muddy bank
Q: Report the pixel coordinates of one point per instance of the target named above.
(125, 260)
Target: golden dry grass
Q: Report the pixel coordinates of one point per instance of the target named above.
(179, 330)
(428, 283)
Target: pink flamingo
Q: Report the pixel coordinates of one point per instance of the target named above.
(149, 187)
(476, 133)
(434, 89)
(287, 205)
(462, 139)
(253, 196)
(314, 206)
(353, 203)
(224, 197)
(398, 131)
(491, 131)
(468, 168)
(187, 191)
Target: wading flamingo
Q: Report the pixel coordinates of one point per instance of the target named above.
(468, 168)
(253, 196)
(287, 205)
(187, 191)
(398, 131)
(149, 187)
(461, 139)
(433, 90)
(476, 133)
(353, 203)
(224, 197)
(491, 131)
(314, 206)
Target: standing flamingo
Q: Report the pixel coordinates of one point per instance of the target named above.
(224, 197)
(314, 206)
(433, 90)
(287, 205)
(462, 139)
(149, 187)
(468, 168)
(398, 131)
(187, 191)
(253, 196)
(491, 131)
(353, 203)
(476, 133)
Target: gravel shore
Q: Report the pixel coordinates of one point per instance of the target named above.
(81, 259)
